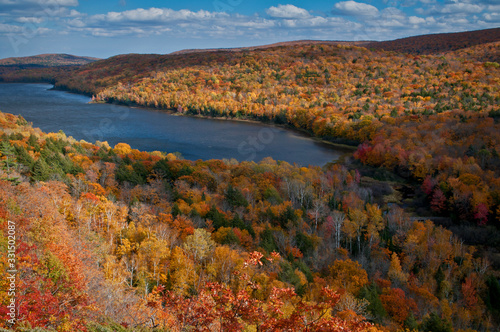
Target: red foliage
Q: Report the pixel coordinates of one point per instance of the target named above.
(217, 307)
(397, 304)
(481, 214)
(428, 185)
(438, 202)
(469, 292)
(363, 151)
(40, 301)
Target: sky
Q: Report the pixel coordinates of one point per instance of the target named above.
(102, 28)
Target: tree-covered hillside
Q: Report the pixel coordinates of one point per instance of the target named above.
(118, 239)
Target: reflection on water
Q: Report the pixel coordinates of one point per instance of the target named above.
(151, 130)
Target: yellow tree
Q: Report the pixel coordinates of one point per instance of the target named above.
(182, 272)
(222, 263)
(396, 274)
(348, 275)
(359, 221)
(199, 245)
(375, 222)
(153, 253)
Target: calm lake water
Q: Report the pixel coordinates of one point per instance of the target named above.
(150, 130)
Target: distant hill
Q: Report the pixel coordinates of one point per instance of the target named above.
(438, 43)
(47, 60)
(40, 68)
(424, 44)
(283, 44)
(86, 75)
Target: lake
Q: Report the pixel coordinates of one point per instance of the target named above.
(150, 130)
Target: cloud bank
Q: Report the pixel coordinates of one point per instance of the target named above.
(344, 20)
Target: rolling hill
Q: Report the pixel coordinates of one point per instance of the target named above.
(47, 60)
(423, 44)
(438, 43)
(280, 44)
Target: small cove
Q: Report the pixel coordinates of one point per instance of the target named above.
(150, 130)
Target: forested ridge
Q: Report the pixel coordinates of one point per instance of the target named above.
(47, 60)
(112, 238)
(438, 43)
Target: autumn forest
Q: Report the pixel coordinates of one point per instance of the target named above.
(402, 235)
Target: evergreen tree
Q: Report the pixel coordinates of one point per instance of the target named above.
(235, 198)
(375, 308)
(492, 299)
(40, 171)
(23, 157)
(435, 324)
(8, 152)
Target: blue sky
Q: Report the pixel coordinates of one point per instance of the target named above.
(106, 28)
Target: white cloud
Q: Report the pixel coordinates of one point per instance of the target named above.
(42, 30)
(354, 8)
(456, 8)
(491, 17)
(392, 13)
(24, 19)
(485, 2)
(65, 3)
(260, 24)
(42, 3)
(287, 11)
(142, 15)
(391, 24)
(416, 20)
(74, 13)
(180, 22)
(77, 23)
(318, 22)
(8, 28)
(285, 22)
(494, 8)
(467, 8)
(430, 19)
(19, 10)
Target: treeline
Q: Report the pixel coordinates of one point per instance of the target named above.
(438, 43)
(118, 239)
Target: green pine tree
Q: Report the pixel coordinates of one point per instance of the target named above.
(8, 152)
(40, 170)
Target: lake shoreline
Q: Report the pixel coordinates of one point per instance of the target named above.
(147, 128)
(343, 146)
(171, 111)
